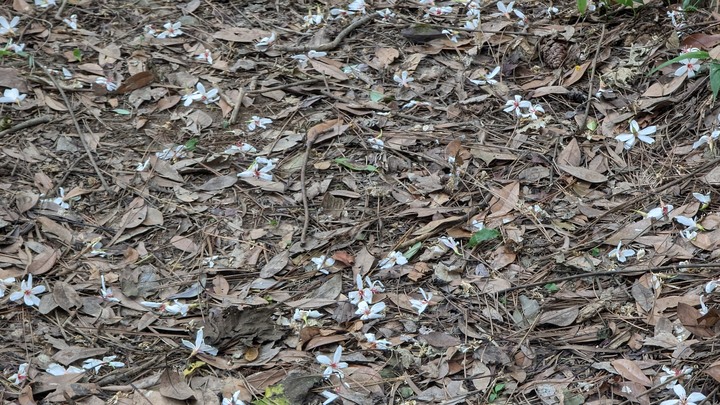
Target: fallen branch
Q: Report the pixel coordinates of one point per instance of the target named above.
(27, 124)
(330, 45)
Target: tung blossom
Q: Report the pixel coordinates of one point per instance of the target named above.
(368, 312)
(403, 79)
(683, 398)
(106, 293)
(234, 400)
(375, 343)
(422, 304)
(516, 104)
(8, 27)
(660, 212)
(200, 94)
(322, 263)
(28, 293)
(257, 172)
(258, 122)
(172, 30)
(21, 376)
(362, 293)
(175, 308)
(621, 254)
(12, 96)
(205, 56)
(266, 42)
(71, 22)
(56, 369)
(690, 66)
(106, 361)
(199, 347)
(334, 365)
(4, 283)
(488, 78)
(636, 133)
(392, 259)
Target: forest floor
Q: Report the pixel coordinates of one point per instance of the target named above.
(305, 202)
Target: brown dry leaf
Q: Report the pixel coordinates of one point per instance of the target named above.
(185, 244)
(328, 70)
(65, 296)
(276, 264)
(504, 200)
(629, 370)
(560, 317)
(713, 371)
(221, 285)
(576, 74)
(582, 173)
(240, 34)
(219, 183)
(439, 339)
(689, 317)
(570, 155)
(53, 228)
(44, 261)
(136, 81)
(173, 385)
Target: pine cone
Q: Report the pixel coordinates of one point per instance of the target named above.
(555, 53)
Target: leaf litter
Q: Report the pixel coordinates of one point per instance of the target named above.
(357, 202)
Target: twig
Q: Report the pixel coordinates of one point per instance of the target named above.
(238, 100)
(281, 87)
(27, 124)
(581, 128)
(306, 209)
(77, 128)
(610, 273)
(329, 45)
(58, 14)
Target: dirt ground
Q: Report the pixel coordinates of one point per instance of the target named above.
(380, 202)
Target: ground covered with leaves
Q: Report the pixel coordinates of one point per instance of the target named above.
(381, 202)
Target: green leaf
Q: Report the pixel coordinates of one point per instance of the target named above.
(121, 111)
(551, 287)
(626, 3)
(412, 251)
(582, 6)
(715, 79)
(376, 96)
(77, 54)
(482, 236)
(595, 252)
(499, 387)
(191, 143)
(592, 124)
(354, 166)
(689, 55)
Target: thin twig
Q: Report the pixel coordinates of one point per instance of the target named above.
(281, 87)
(329, 45)
(27, 124)
(306, 209)
(238, 100)
(581, 128)
(611, 273)
(58, 14)
(77, 128)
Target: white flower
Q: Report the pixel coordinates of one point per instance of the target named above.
(4, 283)
(322, 263)
(690, 223)
(636, 133)
(12, 96)
(8, 28)
(381, 344)
(57, 369)
(142, 166)
(21, 376)
(175, 308)
(97, 250)
(413, 103)
(422, 304)
(176, 152)
(711, 286)
(172, 30)
(689, 234)
(488, 79)
(199, 346)
(206, 56)
(683, 398)
(386, 14)
(340, 13)
(357, 5)
(201, 95)
(109, 84)
(312, 19)
(71, 22)
(258, 122)
(621, 254)
(106, 361)
(477, 225)
(234, 400)
(240, 147)
(403, 79)
(374, 286)
(149, 30)
(266, 42)
(438, 11)
(376, 143)
(472, 25)
(368, 312)
(106, 293)
(255, 171)
(361, 293)
(473, 9)
(210, 261)
(506, 10)
(302, 315)
(689, 66)
(28, 293)
(516, 104)
(533, 111)
(17, 48)
(450, 243)
(703, 308)
(333, 366)
(330, 397)
(703, 198)
(392, 259)
(45, 3)
(707, 139)
(551, 11)
(451, 34)
(660, 212)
